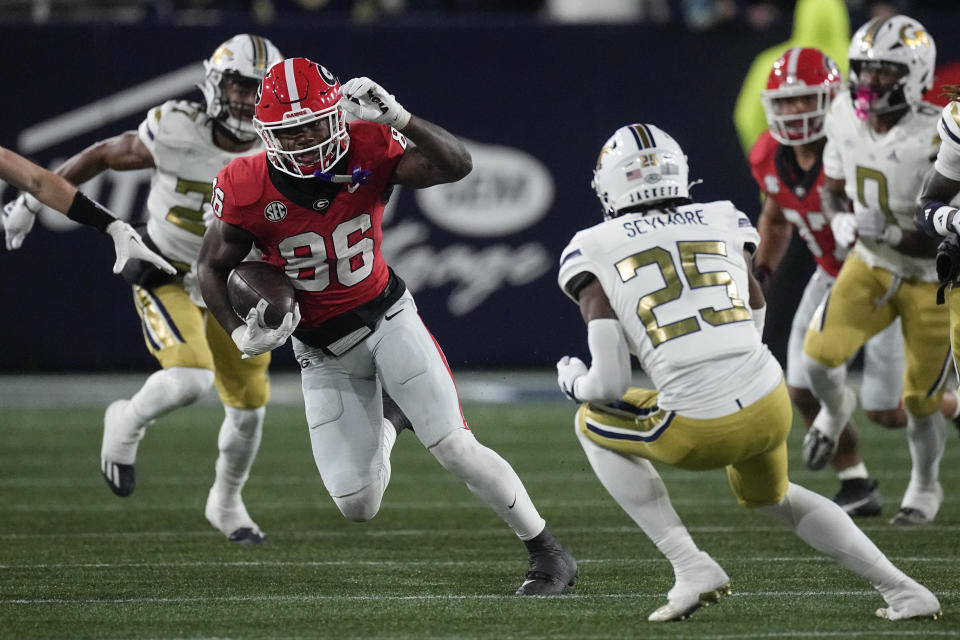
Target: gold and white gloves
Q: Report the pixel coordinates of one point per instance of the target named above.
(367, 100)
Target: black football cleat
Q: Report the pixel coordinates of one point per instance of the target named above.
(121, 478)
(859, 497)
(247, 535)
(552, 568)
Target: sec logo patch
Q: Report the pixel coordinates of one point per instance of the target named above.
(275, 211)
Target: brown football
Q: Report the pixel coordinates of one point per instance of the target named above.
(254, 281)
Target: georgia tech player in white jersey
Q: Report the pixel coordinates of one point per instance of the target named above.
(881, 140)
(187, 144)
(669, 281)
(938, 218)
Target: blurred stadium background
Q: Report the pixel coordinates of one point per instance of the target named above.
(535, 87)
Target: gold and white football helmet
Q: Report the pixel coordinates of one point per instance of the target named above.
(244, 59)
(639, 165)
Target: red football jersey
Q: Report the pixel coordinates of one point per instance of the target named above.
(798, 193)
(331, 252)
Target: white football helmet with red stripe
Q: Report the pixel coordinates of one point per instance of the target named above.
(300, 119)
(242, 59)
(640, 165)
(801, 72)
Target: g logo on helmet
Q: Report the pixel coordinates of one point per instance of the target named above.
(328, 77)
(275, 211)
(913, 37)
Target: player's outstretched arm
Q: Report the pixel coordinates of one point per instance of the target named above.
(45, 186)
(933, 216)
(55, 192)
(55, 189)
(124, 152)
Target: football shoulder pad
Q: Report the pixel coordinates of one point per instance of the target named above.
(244, 179)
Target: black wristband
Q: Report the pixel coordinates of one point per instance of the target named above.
(86, 211)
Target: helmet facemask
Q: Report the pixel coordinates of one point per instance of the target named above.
(230, 106)
(791, 126)
(885, 95)
(800, 88)
(304, 145)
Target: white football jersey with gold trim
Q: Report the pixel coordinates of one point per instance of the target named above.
(678, 282)
(179, 135)
(883, 172)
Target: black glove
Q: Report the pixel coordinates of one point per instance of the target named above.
(948, 259)
(948, 264)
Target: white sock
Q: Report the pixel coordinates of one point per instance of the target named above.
(636, 486)
(490, 478)
(826, 384)
(857, 471)
(238, 442)
(823, 525)
(168, 389)
(927, 437)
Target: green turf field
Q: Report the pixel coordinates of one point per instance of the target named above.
(78, 562)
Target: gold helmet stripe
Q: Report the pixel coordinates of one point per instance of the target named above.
(643, 136)
(259, 52)
(872, 31)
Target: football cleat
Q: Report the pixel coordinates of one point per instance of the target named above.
(552, 568)
(121, 478)
(818, 449)
(700, 586)
(118, 450)
(550, 573)
(232, 520)
(859, 497)
(822, 438)
(910, 517)
(919, 506)
(912, 600)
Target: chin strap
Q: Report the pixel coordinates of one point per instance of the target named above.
(357, 175)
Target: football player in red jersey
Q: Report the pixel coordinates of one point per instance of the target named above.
(312, 203)
(787, 163)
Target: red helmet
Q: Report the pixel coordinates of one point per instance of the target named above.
(300, 119)
(800, 72)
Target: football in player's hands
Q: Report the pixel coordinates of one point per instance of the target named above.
(254, 281)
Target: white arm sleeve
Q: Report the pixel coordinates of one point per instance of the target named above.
(759, 316)
(609, 375)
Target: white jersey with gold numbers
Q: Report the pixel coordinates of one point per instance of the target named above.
(179, 135)
(948, 158)
(883, 172)
(678, 282)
